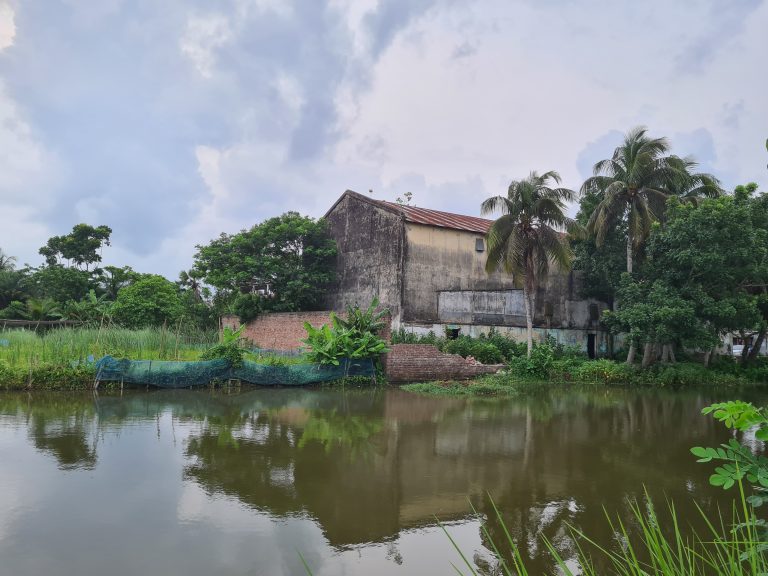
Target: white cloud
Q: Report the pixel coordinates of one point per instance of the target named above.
(202, 37)
(7, 26)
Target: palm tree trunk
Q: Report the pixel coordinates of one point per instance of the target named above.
(631, 353)
(528, 317)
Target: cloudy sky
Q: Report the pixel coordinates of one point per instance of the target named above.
(173, 121)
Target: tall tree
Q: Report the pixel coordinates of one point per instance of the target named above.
(633, 186)
(288, 260)
(528, 236)
(691, 186)
(82, 246)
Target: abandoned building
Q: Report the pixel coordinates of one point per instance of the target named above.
(428, 268)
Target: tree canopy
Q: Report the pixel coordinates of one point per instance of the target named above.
(81, 246)
(287, 260)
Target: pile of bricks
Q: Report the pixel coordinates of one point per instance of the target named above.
(423, 362)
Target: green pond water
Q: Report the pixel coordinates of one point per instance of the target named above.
(199, 483)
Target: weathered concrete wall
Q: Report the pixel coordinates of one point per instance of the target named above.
(422, 363)
(370, 242)
(578, 337)
(441, 259)
(481, 307)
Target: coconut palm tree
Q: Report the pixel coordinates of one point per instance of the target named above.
(633, 184)
(691, 186)
(528, 237)
(7, 262)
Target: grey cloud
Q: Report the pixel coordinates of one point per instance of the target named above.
(724, 22)
(464, 50)
(116, 100)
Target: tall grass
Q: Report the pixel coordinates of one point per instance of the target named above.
(20, 348)
(649, 545)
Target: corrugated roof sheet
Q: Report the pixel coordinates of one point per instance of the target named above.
(440, 219)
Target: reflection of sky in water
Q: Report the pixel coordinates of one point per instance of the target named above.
(191, 485)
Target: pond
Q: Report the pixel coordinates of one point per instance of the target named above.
(199, 483)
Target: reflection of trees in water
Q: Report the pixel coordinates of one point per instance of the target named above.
(327, 462)
(367, 464)
(58, 425)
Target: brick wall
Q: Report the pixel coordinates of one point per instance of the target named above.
(422, 363)
(284, 330)
(279, 331)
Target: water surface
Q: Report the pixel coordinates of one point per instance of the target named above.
(199, 483)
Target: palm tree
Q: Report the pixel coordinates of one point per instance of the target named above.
(528, 237)
(6, 262)
(691, 186)
(633, 184)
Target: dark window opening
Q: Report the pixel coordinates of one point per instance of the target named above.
(479, 245)
(594, 312)
(591, 346)
(452, 333)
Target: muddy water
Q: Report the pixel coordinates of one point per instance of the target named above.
(193, 483)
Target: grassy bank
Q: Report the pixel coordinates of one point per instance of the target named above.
(524, 378)
(58, 359)
(554, 364)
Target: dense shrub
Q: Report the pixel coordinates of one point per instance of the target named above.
(481, 350)
(248, 306)
(604, 371)
(688, 374)
(508, 347)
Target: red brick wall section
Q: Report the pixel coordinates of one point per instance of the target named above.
(279, 331)
(423, 363)
(284, 330)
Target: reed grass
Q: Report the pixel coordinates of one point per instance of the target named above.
(647, 545)
(63, 346)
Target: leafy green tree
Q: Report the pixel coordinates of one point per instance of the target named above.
(705, 275)
(59, 283)
(152, 301)
(82, 246)
(528, 235)
(601, 266)
(288, 260)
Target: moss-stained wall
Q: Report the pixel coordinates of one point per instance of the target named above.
(370, 241)
(441, 259)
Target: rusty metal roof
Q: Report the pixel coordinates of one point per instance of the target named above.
(440, 219)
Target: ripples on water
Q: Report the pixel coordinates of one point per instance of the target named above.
(199, 483)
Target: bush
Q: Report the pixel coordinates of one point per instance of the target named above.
(247, 307)
(481, 350)
(604, 371)
(229, 348)
(152, 301)
(688, 374)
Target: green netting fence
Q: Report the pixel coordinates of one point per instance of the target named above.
(173, 374)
